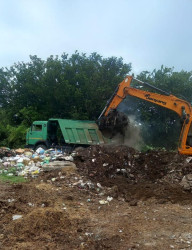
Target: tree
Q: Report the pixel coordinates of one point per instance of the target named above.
(75, 87)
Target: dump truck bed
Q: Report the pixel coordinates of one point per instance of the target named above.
(80, 132)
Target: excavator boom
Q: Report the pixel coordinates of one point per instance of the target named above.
(167, 101)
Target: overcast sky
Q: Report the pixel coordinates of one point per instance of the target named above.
(147, 33)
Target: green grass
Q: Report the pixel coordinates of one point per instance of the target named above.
(12, 179)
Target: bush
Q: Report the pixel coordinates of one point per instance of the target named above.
(16, 136)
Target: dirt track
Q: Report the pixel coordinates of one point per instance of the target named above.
(62, 210)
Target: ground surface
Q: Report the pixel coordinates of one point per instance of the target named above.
(63, 209)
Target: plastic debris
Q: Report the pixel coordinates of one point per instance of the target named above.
(64, 206)
(105, 164)
(31, 204)
(188, 159)
(109, 198)
(27, 163)
(88, 234)
(11, 200)
(28, 153)
(10, 174)
(17, 216)
(40, 150)
(68, 158)
(103, 202)
(19, 151)
(99, 185)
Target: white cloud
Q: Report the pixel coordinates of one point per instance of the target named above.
(147, 33)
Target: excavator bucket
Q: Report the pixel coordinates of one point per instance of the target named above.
(114, 123)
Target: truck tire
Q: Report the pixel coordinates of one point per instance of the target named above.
(43, 146)
(67, 149)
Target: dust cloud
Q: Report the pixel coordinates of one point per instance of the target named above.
(132, 136)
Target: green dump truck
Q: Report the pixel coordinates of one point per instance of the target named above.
(63, 133)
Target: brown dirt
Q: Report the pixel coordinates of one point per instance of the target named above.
(150, 209)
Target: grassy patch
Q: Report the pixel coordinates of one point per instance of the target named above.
(12, 179)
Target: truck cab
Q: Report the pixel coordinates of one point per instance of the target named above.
(37, 133)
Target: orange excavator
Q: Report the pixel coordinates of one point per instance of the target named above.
(111, 119)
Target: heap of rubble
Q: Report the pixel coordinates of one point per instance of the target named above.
(107, 165)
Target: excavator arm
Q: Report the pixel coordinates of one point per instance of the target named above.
(110, 118)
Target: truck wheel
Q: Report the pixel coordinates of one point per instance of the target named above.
(43, 146)
(67, 149)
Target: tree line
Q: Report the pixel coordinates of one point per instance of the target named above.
(78, 87)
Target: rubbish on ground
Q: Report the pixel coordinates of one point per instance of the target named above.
(88, 234)
(99, 185)
(40, 151)
(31, 204)
(19, 151)
(59, 165)
(17, 216)
(103, 202)
(109, 198)
(186, 182)
(11, 200)
(68, 158)
(105, 164)
(188, 159)
(147, 186)
(27, 163)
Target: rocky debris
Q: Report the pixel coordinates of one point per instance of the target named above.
(186, 182)
(55, 165)
(104, 164)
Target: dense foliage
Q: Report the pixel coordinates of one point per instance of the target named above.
(78, 87)
(75, 87)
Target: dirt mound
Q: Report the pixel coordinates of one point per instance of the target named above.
(50, 226)
(44, 220)
(137, 176)
(72, 209)
(41, 222)
(102, 163)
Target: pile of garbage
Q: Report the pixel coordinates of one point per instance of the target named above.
(29, 163)
(117, 164)
(109, 165)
